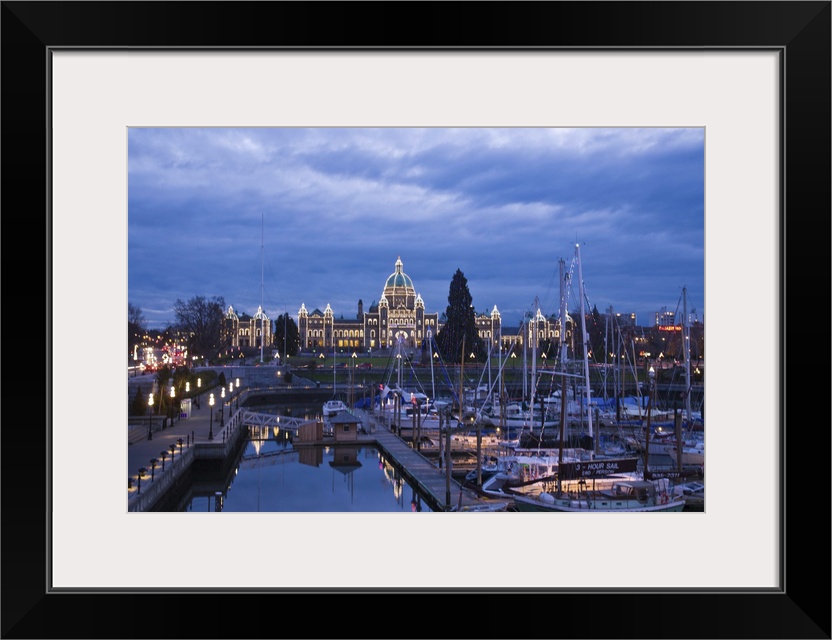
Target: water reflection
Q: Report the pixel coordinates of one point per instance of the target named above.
(271, 475)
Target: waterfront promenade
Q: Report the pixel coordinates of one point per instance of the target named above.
(194, 429)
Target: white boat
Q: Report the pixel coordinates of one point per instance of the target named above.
(517, 471)
(484, 507)
(625, 496)
(488, 467)
(333, 408)
(579, 475)
(693, 454)
(693, 493)
(515, 416)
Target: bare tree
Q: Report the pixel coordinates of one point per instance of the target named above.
(135, 315)
(201, 319)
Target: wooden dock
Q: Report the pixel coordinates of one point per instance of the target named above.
(442, 493)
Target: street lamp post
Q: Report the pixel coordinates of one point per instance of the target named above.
(172, 396)
(211, 421)
(352, 377)
(153, 462)
(142, 471)
(150, 417)
(198, 391)
(222, 406)
(164, 455)
(181, 442)
(172, 453)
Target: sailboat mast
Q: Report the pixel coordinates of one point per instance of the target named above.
(461, 386)
(262, 313)
(430, 355)
(563, 343)
(533, 378)
(606, 350)
(585, 339)
(525, 351)
(563, 394)
(686, 353)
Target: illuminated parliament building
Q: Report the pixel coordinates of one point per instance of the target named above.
(399, 315)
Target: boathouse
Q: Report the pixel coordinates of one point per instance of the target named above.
(345, 427)
(311, 432)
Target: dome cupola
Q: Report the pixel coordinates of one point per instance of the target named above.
(399, 290)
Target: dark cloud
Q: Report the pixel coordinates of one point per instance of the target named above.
(316, 216)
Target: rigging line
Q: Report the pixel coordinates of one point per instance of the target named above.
(548, 289)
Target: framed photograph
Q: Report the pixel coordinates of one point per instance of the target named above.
(754, 76)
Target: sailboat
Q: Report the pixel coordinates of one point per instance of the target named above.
(624, 494)
(623, 489)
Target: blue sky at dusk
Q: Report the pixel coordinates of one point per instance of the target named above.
(319, 216)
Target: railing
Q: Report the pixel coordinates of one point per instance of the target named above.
(152, 490)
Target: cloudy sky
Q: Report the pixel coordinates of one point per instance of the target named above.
(286, 216)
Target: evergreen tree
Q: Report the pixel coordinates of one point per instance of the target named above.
(595, 329)
(139, 405)
(292, 342)
(460, 322)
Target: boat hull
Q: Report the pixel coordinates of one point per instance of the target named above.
(592, 505)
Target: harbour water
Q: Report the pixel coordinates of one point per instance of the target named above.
(271, 475)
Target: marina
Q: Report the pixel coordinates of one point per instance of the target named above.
(202, 470)
(249, 438)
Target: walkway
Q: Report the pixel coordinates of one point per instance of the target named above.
(196, 428)
(444, 493)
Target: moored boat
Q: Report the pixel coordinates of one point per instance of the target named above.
(333, 408)
(693, 493)
(625, 496)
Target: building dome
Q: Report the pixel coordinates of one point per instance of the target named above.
(398, 290)
(399, 280)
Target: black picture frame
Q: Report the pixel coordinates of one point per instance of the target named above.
(800, 31)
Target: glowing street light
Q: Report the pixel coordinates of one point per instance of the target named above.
(150, 417)
(211, 422)
(222, 404)
(172, 396)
